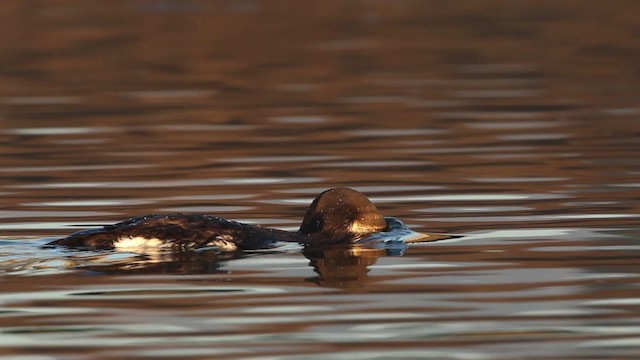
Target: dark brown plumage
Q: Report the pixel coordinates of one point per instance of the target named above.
(336, 215)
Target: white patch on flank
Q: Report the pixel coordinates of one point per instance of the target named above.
(224, 243)
(138, 244)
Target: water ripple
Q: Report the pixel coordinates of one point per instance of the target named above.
(529, 218)
(279, 159)
(172, 183)
(169, 94)
(41, 100)
(452, 197)
(517, 179)
(45, 131)
(474, 209)
(21, 169)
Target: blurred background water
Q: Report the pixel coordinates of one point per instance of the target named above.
(515, 124)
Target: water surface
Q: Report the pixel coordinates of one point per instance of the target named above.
(515, 125)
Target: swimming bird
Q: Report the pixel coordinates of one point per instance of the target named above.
(338, 215)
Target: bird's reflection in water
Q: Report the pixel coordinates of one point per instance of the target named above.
(344, 267)
(175, 262)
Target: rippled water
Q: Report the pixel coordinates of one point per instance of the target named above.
(513, 124)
